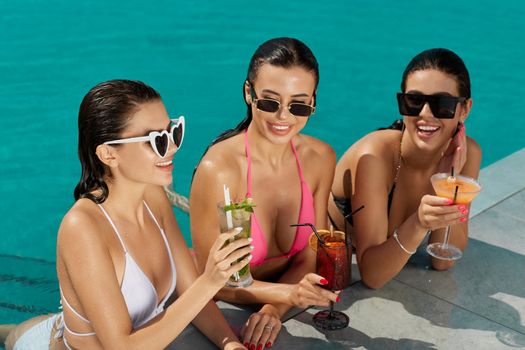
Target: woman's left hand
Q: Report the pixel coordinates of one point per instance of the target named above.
(261, 329)
(456, 153)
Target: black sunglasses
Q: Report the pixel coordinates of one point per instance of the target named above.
(442, 106)
(296, 109)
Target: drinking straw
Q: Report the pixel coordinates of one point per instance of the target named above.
(346, 217)
(227, 201)
(229, 222)
(354, 212)
(452, 172)
(331, 231)
(313, 229)
(455, 194)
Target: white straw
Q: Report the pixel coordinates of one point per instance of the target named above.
(227, 201)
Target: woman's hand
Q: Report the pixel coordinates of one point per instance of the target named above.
(234, 346)
(437, 212)
(222, 260)
(308, 292)
(456, 153)
(261, 329)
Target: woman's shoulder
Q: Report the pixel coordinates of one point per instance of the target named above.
(381, 144)
(221, 161)
(222, 153)
(473, 147)
(80, 224)
(313, 147)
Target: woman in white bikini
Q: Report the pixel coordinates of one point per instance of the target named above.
(120, 253)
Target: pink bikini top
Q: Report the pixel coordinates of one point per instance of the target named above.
(306, 214)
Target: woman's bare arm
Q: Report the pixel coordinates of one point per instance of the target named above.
(210, 321)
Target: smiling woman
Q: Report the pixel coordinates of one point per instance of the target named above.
(288, 176)
(389, 170)
(120, 253)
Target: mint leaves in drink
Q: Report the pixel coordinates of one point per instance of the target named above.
(246, 205)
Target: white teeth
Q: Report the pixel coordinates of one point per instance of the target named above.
(164, 163)
(281, 127)
(427, 128)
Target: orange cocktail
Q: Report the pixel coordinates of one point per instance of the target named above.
(445, 186)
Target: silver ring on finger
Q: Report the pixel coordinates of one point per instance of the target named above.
(268, 327)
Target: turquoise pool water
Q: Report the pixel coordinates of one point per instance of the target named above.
(196, 54)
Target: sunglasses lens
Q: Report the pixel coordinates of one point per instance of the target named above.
(301, 109)
(410, 104)
(177, 133)
(161, 144)
(444, 107)
(268, 106)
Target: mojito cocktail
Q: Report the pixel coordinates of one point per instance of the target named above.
(237, 215)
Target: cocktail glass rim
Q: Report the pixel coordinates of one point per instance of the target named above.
(440, 176)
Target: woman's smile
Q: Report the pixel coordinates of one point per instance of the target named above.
(280, 129)
(427, 131)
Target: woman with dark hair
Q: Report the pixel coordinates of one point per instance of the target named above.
(288, 176)
(389, 170)
(120, 253)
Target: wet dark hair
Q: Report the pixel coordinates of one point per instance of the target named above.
(444, 61)
(104, 113)
(279, 52)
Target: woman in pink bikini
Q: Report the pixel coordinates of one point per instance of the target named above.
(120, 253)
(288, 175)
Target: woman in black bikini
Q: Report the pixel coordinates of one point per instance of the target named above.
(389, 170)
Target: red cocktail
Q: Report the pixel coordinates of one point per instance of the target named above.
(333, 263)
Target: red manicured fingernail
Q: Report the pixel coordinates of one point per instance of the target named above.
(461, 207)
(464, 212)
(449, 201)
(338, 299)
(324, 281)
(463, 219)
(269, 344)
(252, 346)
(259, 347)
(246, 344)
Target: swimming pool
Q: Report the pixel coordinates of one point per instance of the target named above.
(196, 54)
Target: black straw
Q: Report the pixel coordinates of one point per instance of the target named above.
(354, 212)
(452, 172)
(455, 194)
(313, 229)
(346, 217)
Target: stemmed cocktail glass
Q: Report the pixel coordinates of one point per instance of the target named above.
(461, 190)
(333, 263)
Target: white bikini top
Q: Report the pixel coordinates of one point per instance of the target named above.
(138, 291)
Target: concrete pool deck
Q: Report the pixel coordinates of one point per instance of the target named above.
(478, 304)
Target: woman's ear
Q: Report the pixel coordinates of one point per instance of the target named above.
(247, 93)
(107, 155)
(465, 111)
